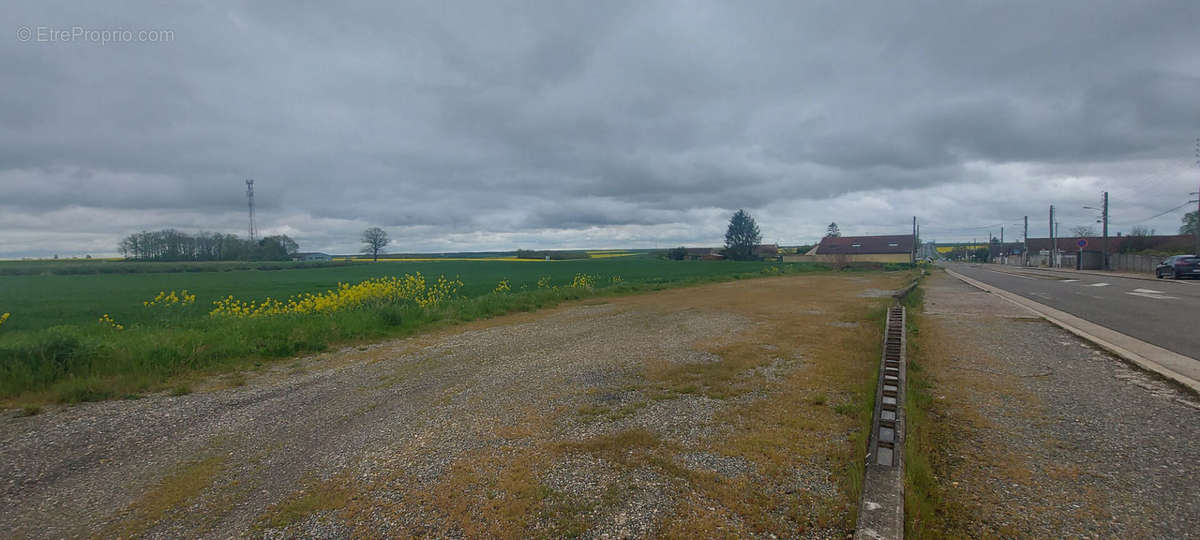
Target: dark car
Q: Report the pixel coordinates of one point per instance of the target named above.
(1179, 267)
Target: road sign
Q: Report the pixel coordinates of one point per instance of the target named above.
(1082, 243)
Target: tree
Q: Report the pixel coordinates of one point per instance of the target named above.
(1191, 225)
(833, 230)
(1191, 221)
(1083, 231)
(741, 237)
(1137, 240)
(173, 245)
(677, 254)
(277, 248)
(374, 240)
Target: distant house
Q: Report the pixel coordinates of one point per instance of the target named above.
(892, 248)
(314, 256)
(703, 254)
(766, 250)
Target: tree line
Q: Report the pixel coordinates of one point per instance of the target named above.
(173, 245)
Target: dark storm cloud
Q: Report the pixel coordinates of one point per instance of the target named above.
(481, 125)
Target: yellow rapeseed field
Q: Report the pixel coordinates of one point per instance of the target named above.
(608, 254)
(346, 296)
(171, 299)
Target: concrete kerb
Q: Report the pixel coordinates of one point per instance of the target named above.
(881, 504)
(1149, 357)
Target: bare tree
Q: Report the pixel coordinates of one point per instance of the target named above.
(374, 240)
(1083, 231)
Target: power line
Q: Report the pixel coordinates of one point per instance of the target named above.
(1170, 168)
(1160, 214)
(979, 228)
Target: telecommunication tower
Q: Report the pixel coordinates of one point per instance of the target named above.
(250, 202)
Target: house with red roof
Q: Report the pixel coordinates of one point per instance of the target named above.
(897, 248)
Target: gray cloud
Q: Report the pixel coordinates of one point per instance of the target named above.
(484, 125)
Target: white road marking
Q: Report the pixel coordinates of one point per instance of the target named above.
(1148, 291)
(1069, 280)
(1013, 274)
(1099, 285)
(1154, 296)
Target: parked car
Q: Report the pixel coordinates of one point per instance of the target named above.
(1179, 267)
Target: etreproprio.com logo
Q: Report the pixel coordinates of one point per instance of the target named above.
(83, 34)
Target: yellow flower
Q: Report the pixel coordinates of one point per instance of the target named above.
(108, 321)
(346, 296)
(583, 281)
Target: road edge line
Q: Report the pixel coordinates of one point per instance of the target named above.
(1088, 331)
(1102, 274)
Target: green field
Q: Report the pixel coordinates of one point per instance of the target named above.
(53, 347)
(41, 301)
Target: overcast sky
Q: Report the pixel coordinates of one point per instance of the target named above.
(495, 125)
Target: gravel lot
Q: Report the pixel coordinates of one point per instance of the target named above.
(1047, 436)
(615, 418)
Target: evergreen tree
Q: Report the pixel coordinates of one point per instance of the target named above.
(741, 237)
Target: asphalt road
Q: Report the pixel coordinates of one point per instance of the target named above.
(1163, 313)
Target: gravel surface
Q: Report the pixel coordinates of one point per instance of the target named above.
(1051, 437)
(458, 433)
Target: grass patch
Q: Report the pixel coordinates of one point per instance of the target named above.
(628, 447)
(314, 497)
(928, 513)
(168, 495)
(490, 497)
(922, 494)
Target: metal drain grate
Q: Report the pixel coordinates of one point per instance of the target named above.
(886, 431)
(881, 508)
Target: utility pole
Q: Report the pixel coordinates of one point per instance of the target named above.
(1025, 249)
(1003, 252)
(1196, 229)
(1104, 216)
(914, 249)
(1053, 245)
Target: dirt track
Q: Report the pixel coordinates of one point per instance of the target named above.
(726, 407)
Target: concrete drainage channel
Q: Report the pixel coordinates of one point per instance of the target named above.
(881, 509)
